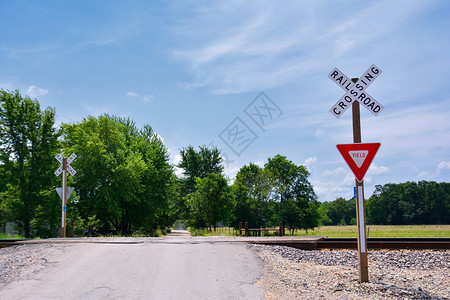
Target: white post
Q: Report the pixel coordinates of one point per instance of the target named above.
(64, 198)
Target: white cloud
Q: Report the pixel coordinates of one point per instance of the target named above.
(420, 173)
(147, 98)
(231, 172)
(309, 162)
(131, 94)
(336, 172)
(178, 171)
(159, 137)
(176, 159)
(259, 163)
(34, 91)
(377, 170)
(443, 165)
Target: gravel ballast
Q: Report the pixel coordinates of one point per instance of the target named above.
(333, 274)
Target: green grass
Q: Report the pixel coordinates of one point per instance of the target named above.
(222, 231)
(380, 231)
(11, 237)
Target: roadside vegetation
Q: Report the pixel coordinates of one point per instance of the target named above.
(10, 237)
(125, 185)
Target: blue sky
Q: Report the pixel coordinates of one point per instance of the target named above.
(250, 77)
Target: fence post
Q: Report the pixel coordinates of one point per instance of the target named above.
(280, 228)
(246, 228)
(240, 228)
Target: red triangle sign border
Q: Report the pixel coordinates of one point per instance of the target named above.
(359, 172)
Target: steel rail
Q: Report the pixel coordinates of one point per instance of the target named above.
(320, 243)
(387, 243)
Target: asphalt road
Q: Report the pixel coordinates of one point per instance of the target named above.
(176, 267)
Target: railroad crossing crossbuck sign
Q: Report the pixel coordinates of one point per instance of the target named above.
(69, 167)
(64, 192)
(355, 91)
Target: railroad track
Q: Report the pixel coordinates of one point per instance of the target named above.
(8, 243)
(387, 243)
(323, 243)
(372, 243)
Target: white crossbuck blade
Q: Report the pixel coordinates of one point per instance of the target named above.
(71, 158)
(58, 171)
(59, 158)
(355, 91)
(71, 170)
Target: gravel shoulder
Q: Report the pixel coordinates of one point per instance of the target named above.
(323, 274)
(25, 260)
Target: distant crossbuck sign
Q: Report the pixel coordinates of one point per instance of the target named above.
(355, 91)
(68, 166)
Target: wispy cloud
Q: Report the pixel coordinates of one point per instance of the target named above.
(34, 91)
(262, 46)
(145, 98)
(309, 162)
(443, 165)
(6, 86)
(131, 94)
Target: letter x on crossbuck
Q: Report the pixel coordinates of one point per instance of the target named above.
(355, 91)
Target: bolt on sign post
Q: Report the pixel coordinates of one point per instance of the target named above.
(358, 155)
(65, 191)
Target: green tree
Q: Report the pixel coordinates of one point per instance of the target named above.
(297, 202)
(340, 211)
(410, 203)
(195, 164)
(156, 207)
(123, 175)
(252, 193)
(211, 203)
(198, 164)
(29, 142)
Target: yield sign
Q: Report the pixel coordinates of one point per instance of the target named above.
(69, 191)
(359, 157)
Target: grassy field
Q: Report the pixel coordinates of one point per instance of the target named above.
(351, 231)
(381, 231)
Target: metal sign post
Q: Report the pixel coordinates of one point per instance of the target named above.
(359, 156)
(360, 207)
(64, 168)
(356, 94)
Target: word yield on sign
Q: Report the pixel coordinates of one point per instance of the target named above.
(359, 157)
(355, 91)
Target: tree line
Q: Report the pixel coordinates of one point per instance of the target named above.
(261, 196)
(125, 183)
(409, 203)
